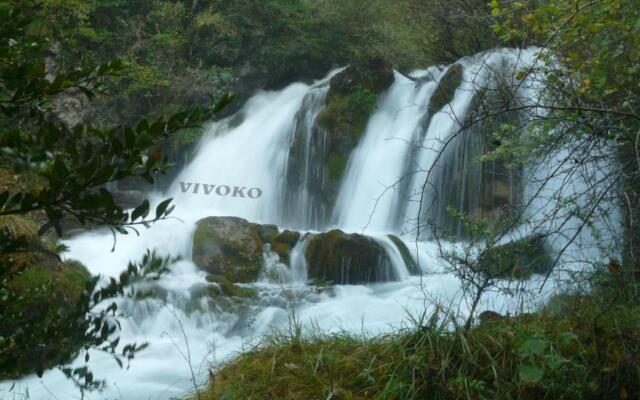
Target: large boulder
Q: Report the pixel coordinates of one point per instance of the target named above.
(231, 247)
(375, 74)
(128, 198)
(342, 258)
(516, 260)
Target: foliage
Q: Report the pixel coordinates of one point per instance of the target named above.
(453, 29)
(581, 120)
(36, 288)
(591, 80)
(186, 53)
(52, 308)
(61, 173)
(73, 164)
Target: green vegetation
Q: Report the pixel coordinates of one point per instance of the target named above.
(345, 116)
(37, 289)
(583, 347)
(283, 243)
(592, 82)
(352, 97)
(186, 53)
(66, 62)
(582, 344)
(51, 172)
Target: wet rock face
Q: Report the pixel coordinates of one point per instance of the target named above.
(230, 246)
(517, 260)
(342, 258)
(375, 74)
(446, 89)
(488, 190)
(283, 243)
(128, 198)
(319, 153)
(351, 99)
(412, 266)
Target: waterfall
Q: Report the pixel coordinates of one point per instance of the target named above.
(370, 189)
(252, 154)
(305, 172)
(274, 145)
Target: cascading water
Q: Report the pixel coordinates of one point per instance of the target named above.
(377, 164)
(380, 194)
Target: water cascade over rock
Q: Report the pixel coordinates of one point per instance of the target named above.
(350, 169)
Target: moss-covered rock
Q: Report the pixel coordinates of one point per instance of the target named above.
(322, 151)
(351, 99)
(228, 288)
(375, 74)
(283, 243)
(42, 310)
(412, 266)
(230, 246)
(347, 259)
(446, 89)
(517, 260)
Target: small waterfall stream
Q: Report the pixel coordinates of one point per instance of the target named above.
(380, 194)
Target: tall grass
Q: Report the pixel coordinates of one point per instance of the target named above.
(578, 347)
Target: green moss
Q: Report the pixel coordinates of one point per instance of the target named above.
(345, 117)
(43, 303)
(230, 289)
(337, 165)
(73, 279)
(229, 246)
(283, 250)
(351, 99)
(283, 242)
(15, 226)
(344, 120)
(43, 313)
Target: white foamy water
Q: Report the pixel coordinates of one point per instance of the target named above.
(187, 333)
